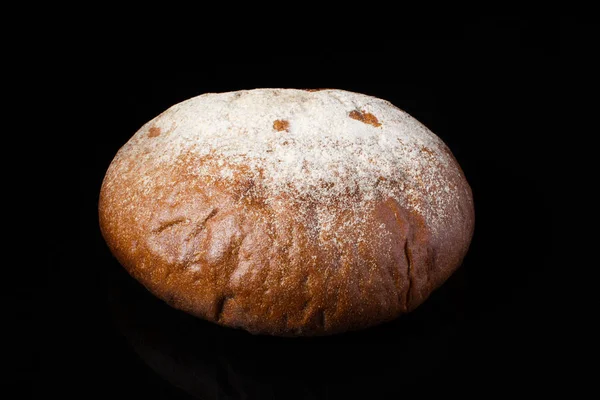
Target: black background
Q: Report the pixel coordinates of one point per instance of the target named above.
(488, 86)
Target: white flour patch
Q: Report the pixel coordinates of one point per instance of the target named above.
(323, 153)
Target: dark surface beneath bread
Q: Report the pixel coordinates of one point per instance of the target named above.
(484, 90)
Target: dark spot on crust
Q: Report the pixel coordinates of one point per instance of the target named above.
(281, 125)
(427, 150)
(305, 167)
(380, 180)
(315, 90)
(365, 117)
(244, 188)
(154, 131)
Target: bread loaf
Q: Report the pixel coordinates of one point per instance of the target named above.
(287, 212)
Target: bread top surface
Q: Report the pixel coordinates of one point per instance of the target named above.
(329, 177)
(329, 146)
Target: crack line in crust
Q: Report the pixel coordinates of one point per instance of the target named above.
(285, 320)
(202, 224)
(220, 306)
(407, 253)
(191, 257)
(321, 319)
(165, 225)
(305, 309)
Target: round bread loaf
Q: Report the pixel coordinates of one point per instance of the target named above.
(287, 212)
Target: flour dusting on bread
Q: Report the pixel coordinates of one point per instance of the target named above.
(330, 146)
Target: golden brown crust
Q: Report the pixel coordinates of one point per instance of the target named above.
(220, 251)
(250, 265)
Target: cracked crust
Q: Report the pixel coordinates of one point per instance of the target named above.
(231, 252)
(249, 265)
